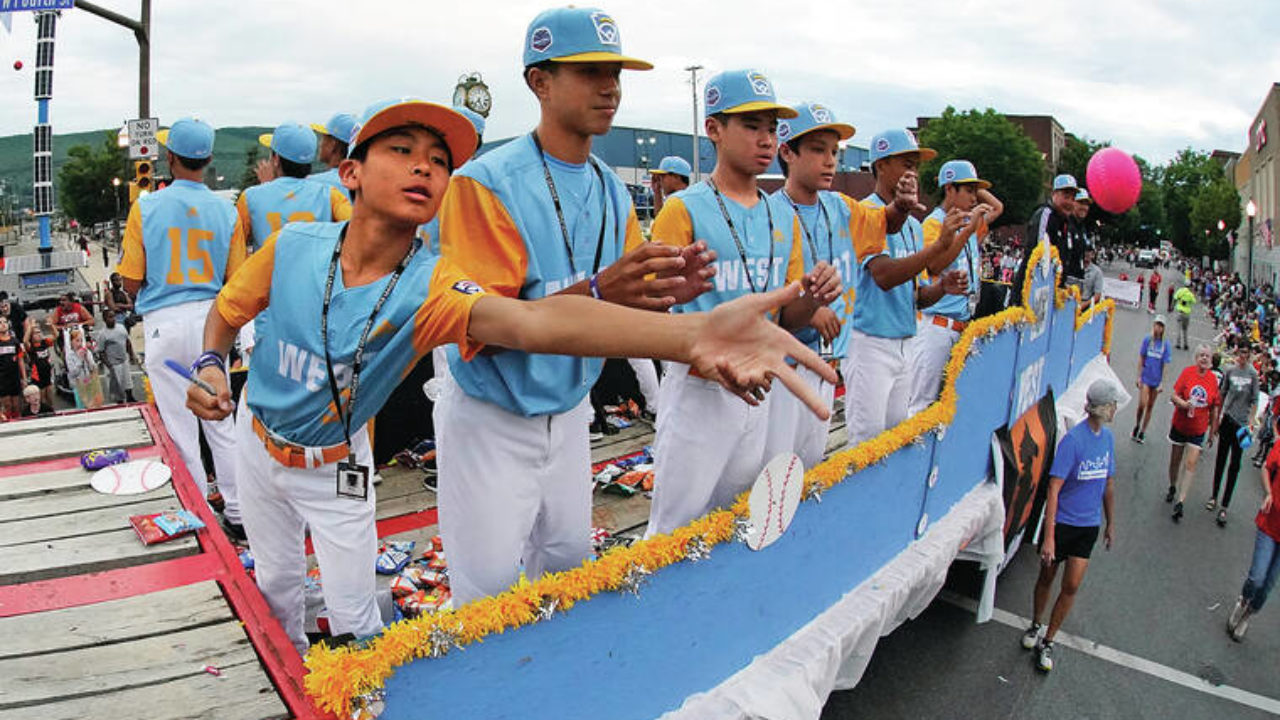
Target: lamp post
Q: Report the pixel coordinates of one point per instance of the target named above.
(697, 161)
(1251, 210)
(115, 219)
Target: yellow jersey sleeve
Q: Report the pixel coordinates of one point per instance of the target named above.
(339, 205)
(867, 228)
(673, 226)
(249, 290)
(446, 315)
(795, 259)
(932, 230)
(133, 265)
(480, 236)
(634, 237)
(238, 251)
(242, 211)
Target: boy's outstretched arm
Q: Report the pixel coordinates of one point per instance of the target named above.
(734, 344)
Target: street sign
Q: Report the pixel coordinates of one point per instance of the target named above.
(7, 6)
(142, 137)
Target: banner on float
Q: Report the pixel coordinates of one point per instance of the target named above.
(1026, 450)
(1124, 292)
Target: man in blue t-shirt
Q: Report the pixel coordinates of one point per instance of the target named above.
(1153, 356)
(1081, 491)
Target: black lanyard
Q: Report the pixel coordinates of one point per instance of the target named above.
(813, 243)
(358, 360)
(913, 245)
(742, 252)
(555, 200)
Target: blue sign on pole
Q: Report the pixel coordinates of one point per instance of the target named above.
(35, 5)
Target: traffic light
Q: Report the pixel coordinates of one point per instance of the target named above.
(142, 181)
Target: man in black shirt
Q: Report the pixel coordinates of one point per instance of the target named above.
(1053, 220)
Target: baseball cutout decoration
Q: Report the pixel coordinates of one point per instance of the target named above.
(1114, 180)
(774, 499)
(131, 478)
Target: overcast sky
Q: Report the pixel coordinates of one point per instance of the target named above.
(1151, 76)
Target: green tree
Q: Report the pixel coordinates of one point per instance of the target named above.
(1075, 156)
(1144, 223)
(249, 177)
(1216, 202)
(85, 181)
(1001, 152)
(1185, 176)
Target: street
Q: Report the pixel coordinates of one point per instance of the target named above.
(1146, 638)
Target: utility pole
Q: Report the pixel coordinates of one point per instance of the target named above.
(693, 82)
(142, 31)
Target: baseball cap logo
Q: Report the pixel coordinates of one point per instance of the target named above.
(759, 83)
(713, 95)
(949, 174)
(784, 129)
(882, 144)
(820, 114)
(540, 40)
(606, 28)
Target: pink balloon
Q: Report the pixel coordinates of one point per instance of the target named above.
(1114, 180)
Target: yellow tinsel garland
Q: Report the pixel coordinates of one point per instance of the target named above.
(337, 676)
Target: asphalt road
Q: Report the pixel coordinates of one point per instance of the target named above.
(1149, 620)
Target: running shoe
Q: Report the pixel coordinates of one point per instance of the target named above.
(1142, 436)
(1031, 637)
(1177, 511)
(1044, 657)
(1134, 435)
(1222, 517)
(1211, 505)
(1242, 625)
(1168, 497)
(1237, 614)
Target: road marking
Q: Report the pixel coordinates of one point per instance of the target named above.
(1124, 659)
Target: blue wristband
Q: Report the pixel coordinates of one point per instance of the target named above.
(208, 359)
(594, 284)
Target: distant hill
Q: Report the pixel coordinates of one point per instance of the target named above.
(229, 152)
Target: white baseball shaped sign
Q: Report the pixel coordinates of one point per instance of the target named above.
(131, 478)
(774, 499)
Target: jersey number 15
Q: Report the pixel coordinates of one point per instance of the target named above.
(195, 252)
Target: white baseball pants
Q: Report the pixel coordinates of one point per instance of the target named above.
(793, 427)
(877, 384)
(930, 353)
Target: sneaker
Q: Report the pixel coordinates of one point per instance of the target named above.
(594, 436)
(1134, 435)
(1237, 614)
(1168, 497)
(1211, 505)
(1222, 517)
(1031, 637)
(234, 531)
(1177, 511)
(429, 481)
(1242, 625)
(1044, 657)
(1142, 436)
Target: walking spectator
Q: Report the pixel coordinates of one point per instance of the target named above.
(1240, 385)
(1081, 492)
(1265, 565)
(1153, 356)
(1183, 301)
(118, 356)
(1154, 295)
(1196, 399)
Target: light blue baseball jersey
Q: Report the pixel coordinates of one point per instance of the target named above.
(825, 228)
(771, 258)
(182, 243)
(498, 222)
(266, 208)
(330, 177)
(887, 313)
(288, 382)
(969, 260)
(429, 234)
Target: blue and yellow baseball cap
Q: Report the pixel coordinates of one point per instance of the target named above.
(477, 120)
(189, 137)
(573, 34)
(960, 172)
(811, 117)
(898, 142)
(673, 165)
(1082, 195)
(292, 141)
(339, 127)
(1065, 182)
(452, 126)
(743, 91)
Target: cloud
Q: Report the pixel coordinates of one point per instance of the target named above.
(1152, 76)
